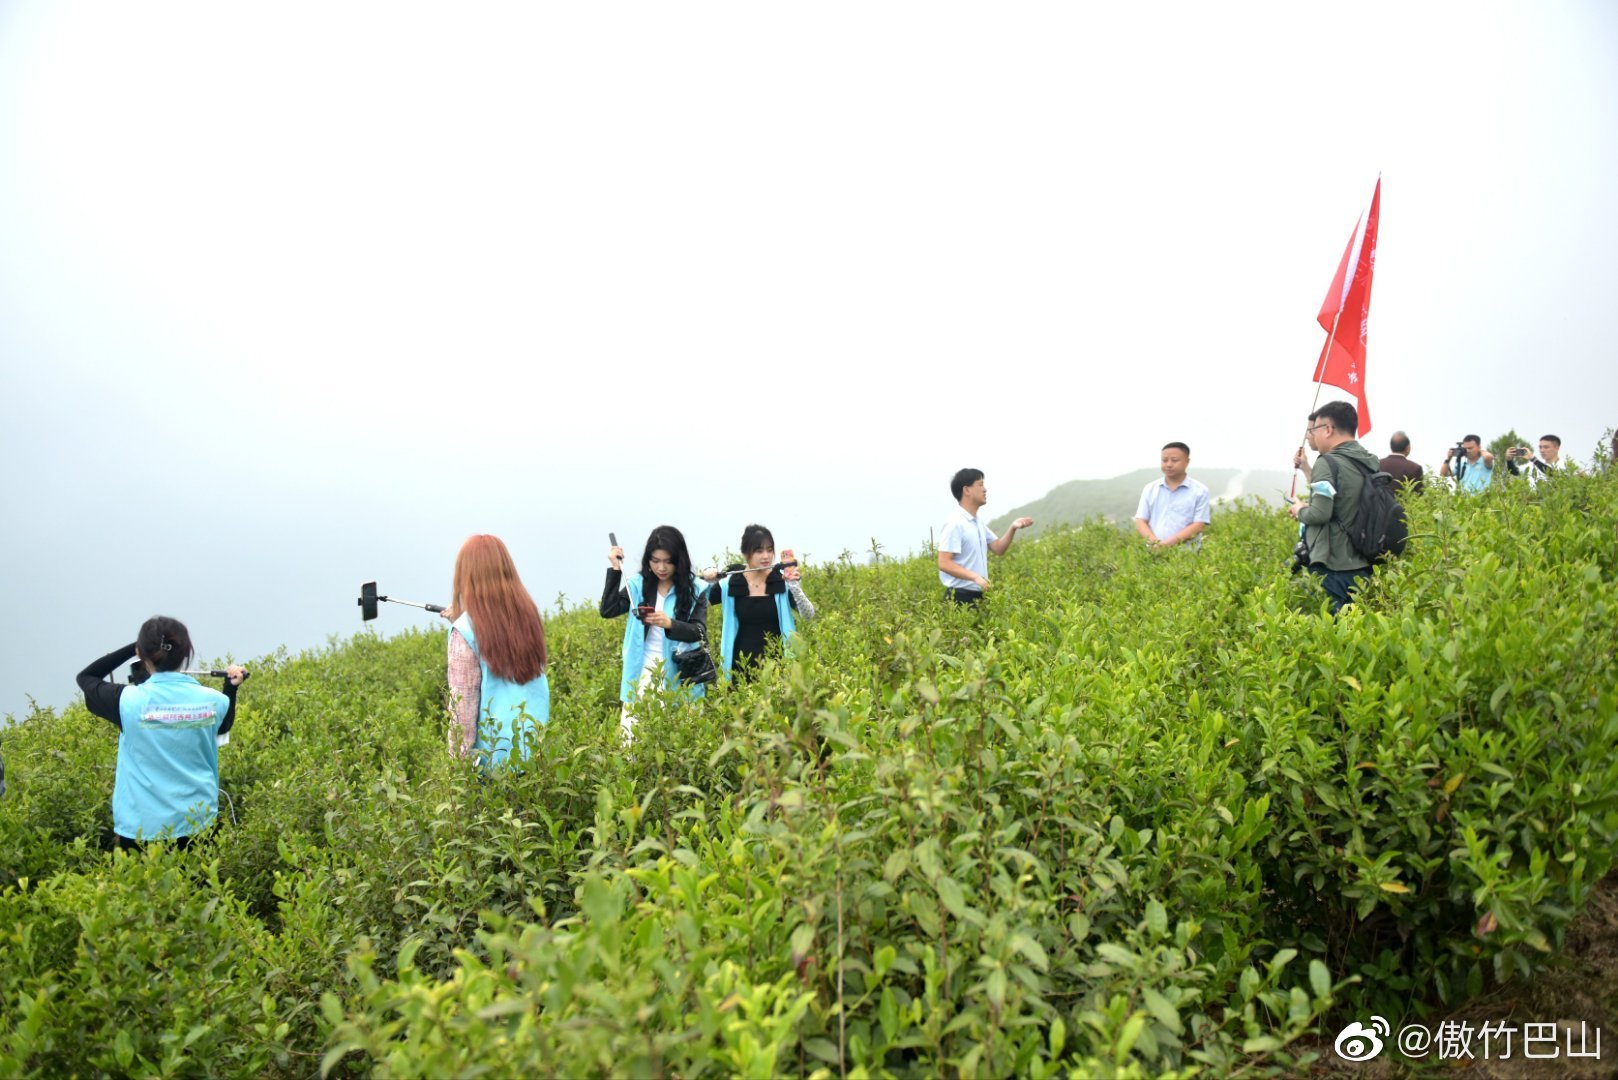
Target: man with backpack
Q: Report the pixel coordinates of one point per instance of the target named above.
(1345, 475)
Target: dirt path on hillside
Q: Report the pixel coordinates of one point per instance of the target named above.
(1234, 489)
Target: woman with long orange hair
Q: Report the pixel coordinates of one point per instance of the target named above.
(498, 690)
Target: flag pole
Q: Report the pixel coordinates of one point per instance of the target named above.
(1331, 339)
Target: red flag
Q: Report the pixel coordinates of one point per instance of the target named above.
(1347, 310)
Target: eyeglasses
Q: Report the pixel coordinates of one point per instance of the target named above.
(1317, 427)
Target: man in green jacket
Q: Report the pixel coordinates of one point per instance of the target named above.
(1333, 504)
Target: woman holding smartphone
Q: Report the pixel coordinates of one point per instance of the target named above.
(760, 604)
(668, 611)
(166, 784)
(497, 656)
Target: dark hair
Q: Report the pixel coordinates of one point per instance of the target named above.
(1342, 415)
(1180, 446)
(165, 642)
(963, 480)
(667, 538)
(756, 538)
(1551, 439)
(1472, 438)
(1400, 443)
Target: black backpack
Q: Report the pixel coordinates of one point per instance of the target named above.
(1378, 529)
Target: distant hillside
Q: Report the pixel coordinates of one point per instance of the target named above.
(1115, 499)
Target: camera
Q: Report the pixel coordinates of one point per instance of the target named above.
(1300, 557)
(1458, 451)
(644, 610)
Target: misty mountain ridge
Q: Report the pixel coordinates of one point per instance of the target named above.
(1115, 499)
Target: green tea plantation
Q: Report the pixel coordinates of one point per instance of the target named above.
(1140, 814)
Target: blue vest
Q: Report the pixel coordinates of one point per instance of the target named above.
(727, 634)
(168, 757)
(507, 708)
(635, 642)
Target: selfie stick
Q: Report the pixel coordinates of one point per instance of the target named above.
(369, 599)
(753, 569)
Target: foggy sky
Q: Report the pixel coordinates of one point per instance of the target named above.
(295, 296)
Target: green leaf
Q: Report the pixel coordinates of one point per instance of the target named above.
(1319, 978)
(821, 1048)
(950, 893)
(1157, 919)
(331, 1008)
(1117, 954)
(508, 1007)
(598, 902)
(1162, 1010)
(1030, 948)
(407, 954)
(997, 987)
(1128, 1036)
(887, 1013)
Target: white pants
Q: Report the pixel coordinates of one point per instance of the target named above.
(650, 675)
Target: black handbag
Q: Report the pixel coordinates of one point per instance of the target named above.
(696, 666)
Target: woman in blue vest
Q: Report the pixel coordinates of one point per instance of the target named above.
(166, 784)
(669, 615)
(497, 656)
(759, 604)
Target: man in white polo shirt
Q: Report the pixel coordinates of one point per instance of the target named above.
(1176, 508)
(964, 546)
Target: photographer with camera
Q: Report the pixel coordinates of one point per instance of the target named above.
(1521, 459)
(1473, 465)
(1325, 549)
(167, 779)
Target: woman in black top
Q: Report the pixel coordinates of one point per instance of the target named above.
(760, 604)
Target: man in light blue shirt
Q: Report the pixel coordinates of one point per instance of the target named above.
(1474, 465)
(1176, 508)
(965, 542)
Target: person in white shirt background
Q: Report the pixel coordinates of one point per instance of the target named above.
(1521, 459)
(965, 542)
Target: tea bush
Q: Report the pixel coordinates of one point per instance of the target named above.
(1140, 814)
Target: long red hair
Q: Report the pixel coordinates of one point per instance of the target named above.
(510, 633)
